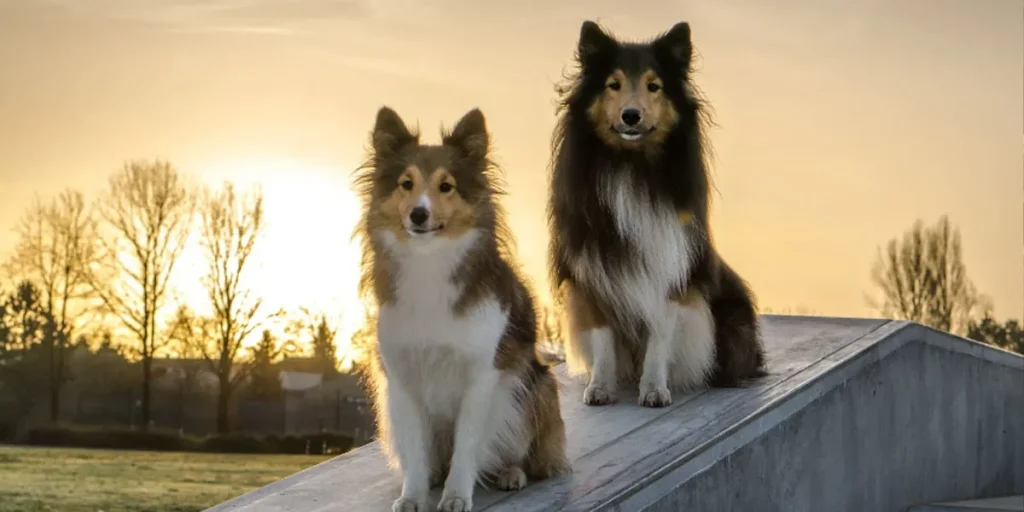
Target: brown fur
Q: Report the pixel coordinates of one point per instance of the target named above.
(688, 298)
(546, 457)
(645, 93)
(450, 209)
(585, 310)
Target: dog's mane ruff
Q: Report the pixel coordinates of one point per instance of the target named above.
(363, 178)
(498, 234)
(371, 373)
(494, 179)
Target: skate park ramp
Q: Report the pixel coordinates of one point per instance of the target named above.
(855, 414)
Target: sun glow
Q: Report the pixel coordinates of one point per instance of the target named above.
(306, 256)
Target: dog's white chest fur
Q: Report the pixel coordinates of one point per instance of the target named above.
(422, 341)
(666, 249)
(440, 381)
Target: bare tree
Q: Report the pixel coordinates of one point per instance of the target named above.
(56, 242)
(147, 211)
(954, 297)
(232, 224)
(923, 278)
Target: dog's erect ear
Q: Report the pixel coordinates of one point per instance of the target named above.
(676, 45)
(390, 133)
(593, 42)
(469, 135)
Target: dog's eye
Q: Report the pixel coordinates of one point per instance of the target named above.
(653, 87)
(615, 86)
(406, 184)
(446, 187)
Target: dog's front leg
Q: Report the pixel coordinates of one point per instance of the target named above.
(470, 432)
(654, 380)
(408, 425)
(603, 379)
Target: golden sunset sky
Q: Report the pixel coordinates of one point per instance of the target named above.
(839, 123)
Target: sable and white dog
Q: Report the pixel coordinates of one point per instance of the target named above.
(650, 301)
(459, 392)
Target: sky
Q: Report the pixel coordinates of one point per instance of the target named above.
(838, 124)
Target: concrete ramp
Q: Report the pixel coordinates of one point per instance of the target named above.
(858, 415)
(1004, 504)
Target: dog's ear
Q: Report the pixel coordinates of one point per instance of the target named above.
(469, 135)
(390, 133)
(676, 45)
(593, 42)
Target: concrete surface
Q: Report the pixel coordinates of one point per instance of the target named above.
(856, 414)
(1004, 504)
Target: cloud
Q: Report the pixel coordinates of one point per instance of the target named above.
(268, 17)
(295, 10)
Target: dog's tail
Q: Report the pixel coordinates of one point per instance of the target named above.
(739, 354)
(546, 456)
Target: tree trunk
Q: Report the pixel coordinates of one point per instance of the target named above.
(56, 376)
(54, 402)
(181, 402)
(147, 370)
(224, 405)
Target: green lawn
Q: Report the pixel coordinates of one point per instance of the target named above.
(78, 480)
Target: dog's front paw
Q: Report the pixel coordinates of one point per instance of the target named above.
(654, 397)
(511, 479)
(405, 504)
(597, 395)
(454, 503)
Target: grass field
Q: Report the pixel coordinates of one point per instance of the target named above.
(78, 480)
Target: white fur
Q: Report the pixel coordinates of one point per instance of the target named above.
(440, 375)
(424, 201)
(680, 350)
(601, 342)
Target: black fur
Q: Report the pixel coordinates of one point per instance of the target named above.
(674, 172)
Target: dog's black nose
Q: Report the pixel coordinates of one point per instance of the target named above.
(418, 215)
(631, 116)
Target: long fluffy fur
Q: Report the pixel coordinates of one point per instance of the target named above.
(617, 214)
(456, 328)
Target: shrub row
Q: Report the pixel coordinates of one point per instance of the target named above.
(6, 432)
(121, 438)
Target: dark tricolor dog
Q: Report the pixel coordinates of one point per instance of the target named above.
(649, 300)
